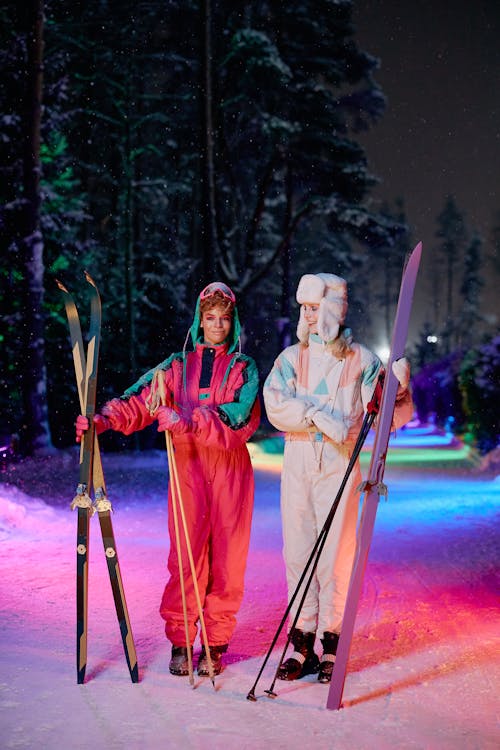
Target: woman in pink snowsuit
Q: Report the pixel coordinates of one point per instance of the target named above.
(211, 410)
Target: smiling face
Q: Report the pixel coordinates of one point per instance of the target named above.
(311, 314)
(216, 324)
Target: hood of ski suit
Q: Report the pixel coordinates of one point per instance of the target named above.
(195, 332)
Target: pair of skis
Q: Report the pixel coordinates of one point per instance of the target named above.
(383, 404)
(91, 474)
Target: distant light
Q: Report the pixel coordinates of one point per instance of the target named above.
(432, 339)
(383, 353)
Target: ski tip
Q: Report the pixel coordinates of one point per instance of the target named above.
(412, 259)
(89, 278)
(417, 251)
(61, 286)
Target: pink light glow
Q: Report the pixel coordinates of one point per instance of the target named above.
(425, 633)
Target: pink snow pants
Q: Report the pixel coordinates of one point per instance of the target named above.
(217, 488)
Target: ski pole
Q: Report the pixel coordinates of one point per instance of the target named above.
(315, 553)
(318, 549)
(173, 490)
(251, 694)
(372, 410)
(177, 498)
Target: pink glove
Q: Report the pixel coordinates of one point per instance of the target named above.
(401, 369)
(169, 419)
(82, 425)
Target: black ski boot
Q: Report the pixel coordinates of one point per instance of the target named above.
(179, 664)
(303, 660)
(216, 657)
(330, 643)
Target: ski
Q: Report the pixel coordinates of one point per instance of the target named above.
(374, 486)
(103, 508)
(91, 470)
(87, 379)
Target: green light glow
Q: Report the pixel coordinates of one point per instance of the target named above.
(268, 453)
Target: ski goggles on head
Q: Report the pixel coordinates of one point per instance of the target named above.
(218, 286)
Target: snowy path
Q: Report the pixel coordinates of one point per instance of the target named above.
(424, 667)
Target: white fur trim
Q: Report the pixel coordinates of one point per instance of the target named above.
(328, 657)
(298, 657)
(302, 327)
(311, 288)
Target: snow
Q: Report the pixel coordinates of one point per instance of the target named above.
(424, 664)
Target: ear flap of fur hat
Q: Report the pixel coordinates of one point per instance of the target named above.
(330, 292)
(333, 306)
(311, 288)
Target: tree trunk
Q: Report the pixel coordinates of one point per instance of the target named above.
(283, 323)
(128, 246)
(35, 431)
(209, 224)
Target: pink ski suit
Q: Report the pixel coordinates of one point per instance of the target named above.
(214, 390)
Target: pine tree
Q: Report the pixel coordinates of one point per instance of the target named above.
(41, 207)
(186, 139)
(451, 233)
(495, 241)
(469, 315)
(386, 267)
(25, 237)
(134, 111)
(295, 86)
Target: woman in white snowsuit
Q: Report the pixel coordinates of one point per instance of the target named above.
(317, 394)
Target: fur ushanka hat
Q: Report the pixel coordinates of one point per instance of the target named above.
(330, 293)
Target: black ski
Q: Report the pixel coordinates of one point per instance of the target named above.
(374, 486)
(91, 471)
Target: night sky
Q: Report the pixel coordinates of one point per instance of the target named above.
(440, 72)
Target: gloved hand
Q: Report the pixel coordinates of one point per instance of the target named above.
(401, 369)
(335, 429)
(169, 419)
(101, 424)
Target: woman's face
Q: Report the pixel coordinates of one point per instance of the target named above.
(311, 314)
(216, 324)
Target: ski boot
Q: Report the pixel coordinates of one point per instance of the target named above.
(303, 660)
(216, 657)
(330, 643)
(179, 664)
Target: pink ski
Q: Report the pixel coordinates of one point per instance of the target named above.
(374, 486)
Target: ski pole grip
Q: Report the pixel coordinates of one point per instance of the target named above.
(374, 403)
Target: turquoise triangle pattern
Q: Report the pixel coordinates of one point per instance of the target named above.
(322, 388)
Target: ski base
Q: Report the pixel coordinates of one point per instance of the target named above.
(91, 472)
(374, 485)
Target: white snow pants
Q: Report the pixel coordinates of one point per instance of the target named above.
(311, 476)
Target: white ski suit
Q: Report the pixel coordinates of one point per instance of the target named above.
(319, 401)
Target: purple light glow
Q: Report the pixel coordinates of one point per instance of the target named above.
(425, 632)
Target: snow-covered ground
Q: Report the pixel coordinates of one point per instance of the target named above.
(424, 665)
